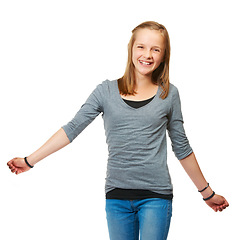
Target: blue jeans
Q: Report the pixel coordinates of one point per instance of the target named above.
(148, 217)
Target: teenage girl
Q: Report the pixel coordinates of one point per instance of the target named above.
(137, 109)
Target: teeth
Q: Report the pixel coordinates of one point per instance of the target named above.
(146, 63)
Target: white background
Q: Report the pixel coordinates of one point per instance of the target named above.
(54, 53)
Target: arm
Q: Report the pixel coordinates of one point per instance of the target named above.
(190, 165)
(87, 113)
(55, 143)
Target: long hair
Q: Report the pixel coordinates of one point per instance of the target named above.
(160, 76)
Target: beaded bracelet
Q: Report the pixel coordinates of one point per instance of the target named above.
(26, 161)
(205, 199)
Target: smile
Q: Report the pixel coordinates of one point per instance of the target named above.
(145, 63)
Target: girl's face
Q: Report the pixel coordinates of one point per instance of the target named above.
(148, 52)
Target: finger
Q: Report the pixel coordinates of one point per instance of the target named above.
(223, 207)
(218, 208)
(13, 168)
(9, 163)
(226, 203)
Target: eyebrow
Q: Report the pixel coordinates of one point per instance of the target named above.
(144, 44)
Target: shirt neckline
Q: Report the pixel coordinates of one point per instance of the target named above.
(135, 109)
(140, 101)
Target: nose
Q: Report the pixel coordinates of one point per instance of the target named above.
(148, 54)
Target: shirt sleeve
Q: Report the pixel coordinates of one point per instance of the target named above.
(87, 113)
(179, 140)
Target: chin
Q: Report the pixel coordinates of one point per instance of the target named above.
(145, 72)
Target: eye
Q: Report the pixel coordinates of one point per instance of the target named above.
(157, 50)
(140, 47)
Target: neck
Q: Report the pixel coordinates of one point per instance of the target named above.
(143, 81)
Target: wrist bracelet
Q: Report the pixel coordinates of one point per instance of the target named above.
(26, 161)
(205, 199)
(204, 188)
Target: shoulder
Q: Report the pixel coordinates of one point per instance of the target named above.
(104, 87)
(107, 85)
(173, 92)
(173, 89)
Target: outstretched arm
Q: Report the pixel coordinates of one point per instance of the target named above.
(86, 114)
(190, 165)
(55, 143)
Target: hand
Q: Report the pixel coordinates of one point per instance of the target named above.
(217, 203)
(18, 165)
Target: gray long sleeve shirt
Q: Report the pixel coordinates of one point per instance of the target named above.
(136, 137)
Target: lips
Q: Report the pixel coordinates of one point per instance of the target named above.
(146, 63)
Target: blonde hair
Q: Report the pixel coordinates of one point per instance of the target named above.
(160, 76)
